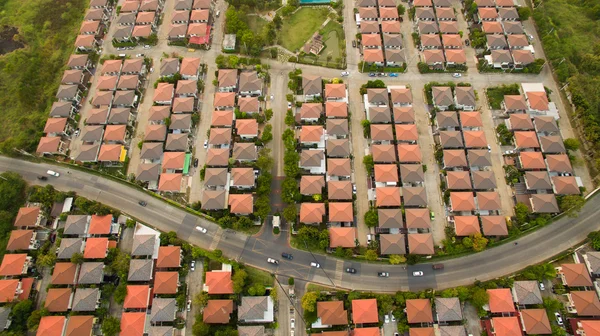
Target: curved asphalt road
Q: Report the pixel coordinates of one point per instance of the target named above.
(492, 263)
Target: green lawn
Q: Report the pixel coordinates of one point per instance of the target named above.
(495, 95)
(256, 23)
(259, 276)
(29, 77)
(333, 37)
(299, 27)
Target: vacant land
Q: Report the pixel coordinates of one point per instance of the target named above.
(30, 76)
(496, 94)
(299, 27)
(256, 23)
(333, 37)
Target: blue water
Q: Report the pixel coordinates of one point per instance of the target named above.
(314, 1)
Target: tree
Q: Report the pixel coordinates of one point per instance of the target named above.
(595, 240)
(77, 258)
(539, 272)
(277, 21)
(366, 125)
(479, 297)
(20, 315)
(552, 305)
(289, 118)
(46, 260)
(290, 281)
(34, 319)
(290, 213)
(262, 207)
(12, 191)
(396, 259)
(200, 328)
(309, 301)
(267, 134)
(401, 10)
(571, 144)
(371, 218)
(479, 242)
(571, 204)
(257, 289)
(120, 292)
(118, 262)
(521, 213)
(268, 114)
(371, 255)
(111, 326)
(130, 223)
(369, 164)
(239, 281)
(524, 13)
(512, 174)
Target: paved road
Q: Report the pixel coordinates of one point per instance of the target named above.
(489, 264)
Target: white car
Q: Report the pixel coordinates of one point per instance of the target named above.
(201, 229)
(289, 105)
(205, 144)
(387, 318)
(77, 131)
(189, 305)
(392, 317)
(542, 287)
(147, 46)
(314, 264)
(52, 173)
(559, 319)
(272, 261)
(418, 273)
(292, 323)
(345, 74)
(456, 75)
(193, 265)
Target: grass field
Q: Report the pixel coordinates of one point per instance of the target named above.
(256, 23)
(495, 95)
(29, 77)
(259, 276)
(299, 27)
(333, 37)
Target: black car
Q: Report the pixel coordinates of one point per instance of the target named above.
(287, 256)
(353, 43)
(351, 270)
(142, 203)
(42, 178)
(195, 163)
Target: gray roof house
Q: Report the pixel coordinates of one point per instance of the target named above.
(151, 151)
(214, 200)
(76, 225)
(390, 218)
(161, 331)
(392, 41)
(337, 127)
(140, 270)
(169, 66)
(68, 247)
(526, 293)
(143, 245)
(378, 97)
(256, 309)
(338, 148)
(163, 310)
(258, 330)
(392, 243)
(250, 84)
(479, 158)
(448, 309)
(414, 196)
(464, 98)
(592, 260)
(148, 172)
(91, 273)
(177, 142)
(312, 86)
(453, 331)
(86, 299)
(215, 177)
(89, 153)
(442, 97)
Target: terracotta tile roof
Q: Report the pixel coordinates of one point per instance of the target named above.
(248, 127)
(388, 13)
(576, 275)
(311, 110)
(455, 55)
(48, 145)
(501, 300)
(475, 139)
(417, 218)
(337, 91)
(170, 182)
(164, 92)
(383, 153)
(51, 326)
(373, 55)
(373, 331)
(338, 147)
(169, 256)
(433, 56)
(520, 121)
(173, 160)
(388, 196)
(522, 56)
(219, 282)
(586, 303)
(55, 125)
(218, 311)
(448, 27)
(19, 240)
(133, 324)
(339, 167)
(312, 212)
(420, 243)
(8, 289)
(538, 100)
(421, 332)
(470, 119)
(248, 104)
(224, 99)
(79, 325)
(462, 201)
(115, 133)
(445, 13)
(78, 60)
(483, 179)
(165, 282)
(241, 176)
(199, 15)
(458, 180)
(409, 153)
(364, 311)
(487, 13)
(217, 157)
(100, 224)
(404, 114)
(406, 132)
(341, 212)
(532, 160)
(110, 152)
(454, 158)
(591, 328)
(342, 237)
(64, 273)
(565, 185)
(138, 297)
(494, 226)
(242, 204)
(336, 109)
(190, 66)
(339, 190)
(111, 66)
(392, 26)
(312, 184)
(466, 225)
(311, 133)
(390, 218)
(227, 77)
(506, 326)
(488, 200)
(419, 311)
(526, 140)
(222, 118)
(382, 133)
(95, 248)
(536, 321)
(386, 173)
(58, 299)
(12, 264)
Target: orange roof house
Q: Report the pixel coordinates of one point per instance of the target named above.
(170, 182)
(8, 290)
(532, 160)
(169, 256)
(421, 332)
(336, 109)
(13, 264)
(494, 225)
(79, 325)
(51, 326)
(506, 326)
(406, 132)
(342, 237)
(462, 201)
(575, 275)
(526, 140)
(19, 240)
(373, 331)
(138, 297)
(332, 313)
(58, 300)
(64, 273)
(409, 153)
(591, 328)
(419, 311)
(241, 204)
(218, 283)
(536, 322)
(312, 212)
(538, 101)
(586, 303)
(166, 282)
(388, 196)
(133, 324)
(501, 300)
(28, 216)
(466, 225)
(100, 225)
(386, 173)
(341, 212)
(364, 311)
(95, 248)
(218, 311)
(420, 243)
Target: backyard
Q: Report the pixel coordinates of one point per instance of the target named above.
(333, 38)
(300, 26)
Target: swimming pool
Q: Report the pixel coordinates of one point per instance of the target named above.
(309, 2)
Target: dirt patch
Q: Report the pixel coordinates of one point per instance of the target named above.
(7, 40)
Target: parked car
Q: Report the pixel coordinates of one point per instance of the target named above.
(386, 318)
(353, 43)
(542, 287)
(289, 105)
(77, 131)
(205, 144)
(431, 215)
(393, 74)
(193, 265)
(315, 264)
(272, 261)
(292, 323)
(392, 317)
(287, 256)
(372, 74)
(456, 75)
(195, 163)
(189, 305)
(52, 173)
(354, 188)
(201, 229)
(351, 270)
(383, 274)
(559, 319)
(345, 74)
(418, 273)
(381, 74)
